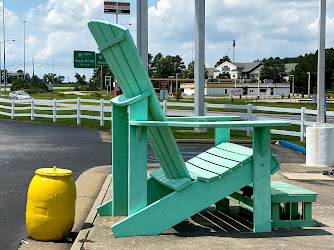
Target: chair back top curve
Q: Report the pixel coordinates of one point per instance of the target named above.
(116, 45)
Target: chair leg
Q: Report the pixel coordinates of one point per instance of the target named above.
(307, 210)
(223, 205)
(261, 180)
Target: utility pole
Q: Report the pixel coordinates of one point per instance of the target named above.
(308, 84)
(33, 67)
(101, 81)
(0, 72)
(199, 56)
(142, 31)
(53, 70)
(24, 49)
(4, 45)
(321, 63)
(192, 49)
(293, 85)
(177, 74)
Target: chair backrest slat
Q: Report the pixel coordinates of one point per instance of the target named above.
(123, 58)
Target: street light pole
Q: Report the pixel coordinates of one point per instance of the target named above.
(24, 49)
(142, 30)
(199, 64)
(293, 85)
(0, 65)
(177, 74)
(321, 63)
(308, 84)
(258, 84)
(4, 44)
(0, 71)
(53, 69)
(192, 50)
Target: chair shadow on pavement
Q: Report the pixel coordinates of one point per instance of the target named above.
(210, 222)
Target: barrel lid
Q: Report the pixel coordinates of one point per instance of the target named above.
(53, 172)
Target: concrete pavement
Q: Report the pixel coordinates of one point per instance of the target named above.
(209, 229)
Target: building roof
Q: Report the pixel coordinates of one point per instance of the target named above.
(245, 67)
(210, 71)
(289, 67)
(253, 67)
(248, 67)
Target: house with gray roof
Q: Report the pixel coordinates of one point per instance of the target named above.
(246, 70)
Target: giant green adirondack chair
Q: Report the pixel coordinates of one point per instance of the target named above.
(178, 189)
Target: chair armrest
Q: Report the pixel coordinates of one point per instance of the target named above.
(227, 124)
(204, 118)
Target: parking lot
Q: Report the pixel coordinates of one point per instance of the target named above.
(27, 146)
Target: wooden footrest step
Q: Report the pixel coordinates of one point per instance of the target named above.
(285, 199)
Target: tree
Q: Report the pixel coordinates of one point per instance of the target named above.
(37, 86)
(95, 81)
(19, 84)
(273, 69)
(81, 80)
(150, 62)
(224, 75)
(51, 78)
(224, 59)
(169, 66)
(189, 72)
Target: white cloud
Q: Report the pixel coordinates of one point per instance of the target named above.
(261, 29)
(10, 17)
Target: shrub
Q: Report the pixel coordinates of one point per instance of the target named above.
(178, 94)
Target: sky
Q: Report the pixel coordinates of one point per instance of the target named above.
(261, 29)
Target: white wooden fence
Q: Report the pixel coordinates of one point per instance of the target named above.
(78, 105)
(302, 117)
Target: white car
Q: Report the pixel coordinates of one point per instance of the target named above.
(19, 95)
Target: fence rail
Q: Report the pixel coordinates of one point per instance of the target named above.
(53, 106)
(302, 117)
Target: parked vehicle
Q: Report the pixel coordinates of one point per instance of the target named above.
(19, 95)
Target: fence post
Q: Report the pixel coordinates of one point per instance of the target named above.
(78, 111)
(13, 109)
(302, 123)
(32, 107)
(102, 113)
(249, 118)
(205, 109)
(164, 107)
(54, 110)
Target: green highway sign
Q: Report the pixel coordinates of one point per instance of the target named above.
(100, 61)
(61, 77)
(84, 59)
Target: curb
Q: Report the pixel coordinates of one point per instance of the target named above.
(83, 234)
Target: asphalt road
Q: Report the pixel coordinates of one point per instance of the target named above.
(25, 147)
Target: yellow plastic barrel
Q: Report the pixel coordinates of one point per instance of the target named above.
(51, 204)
